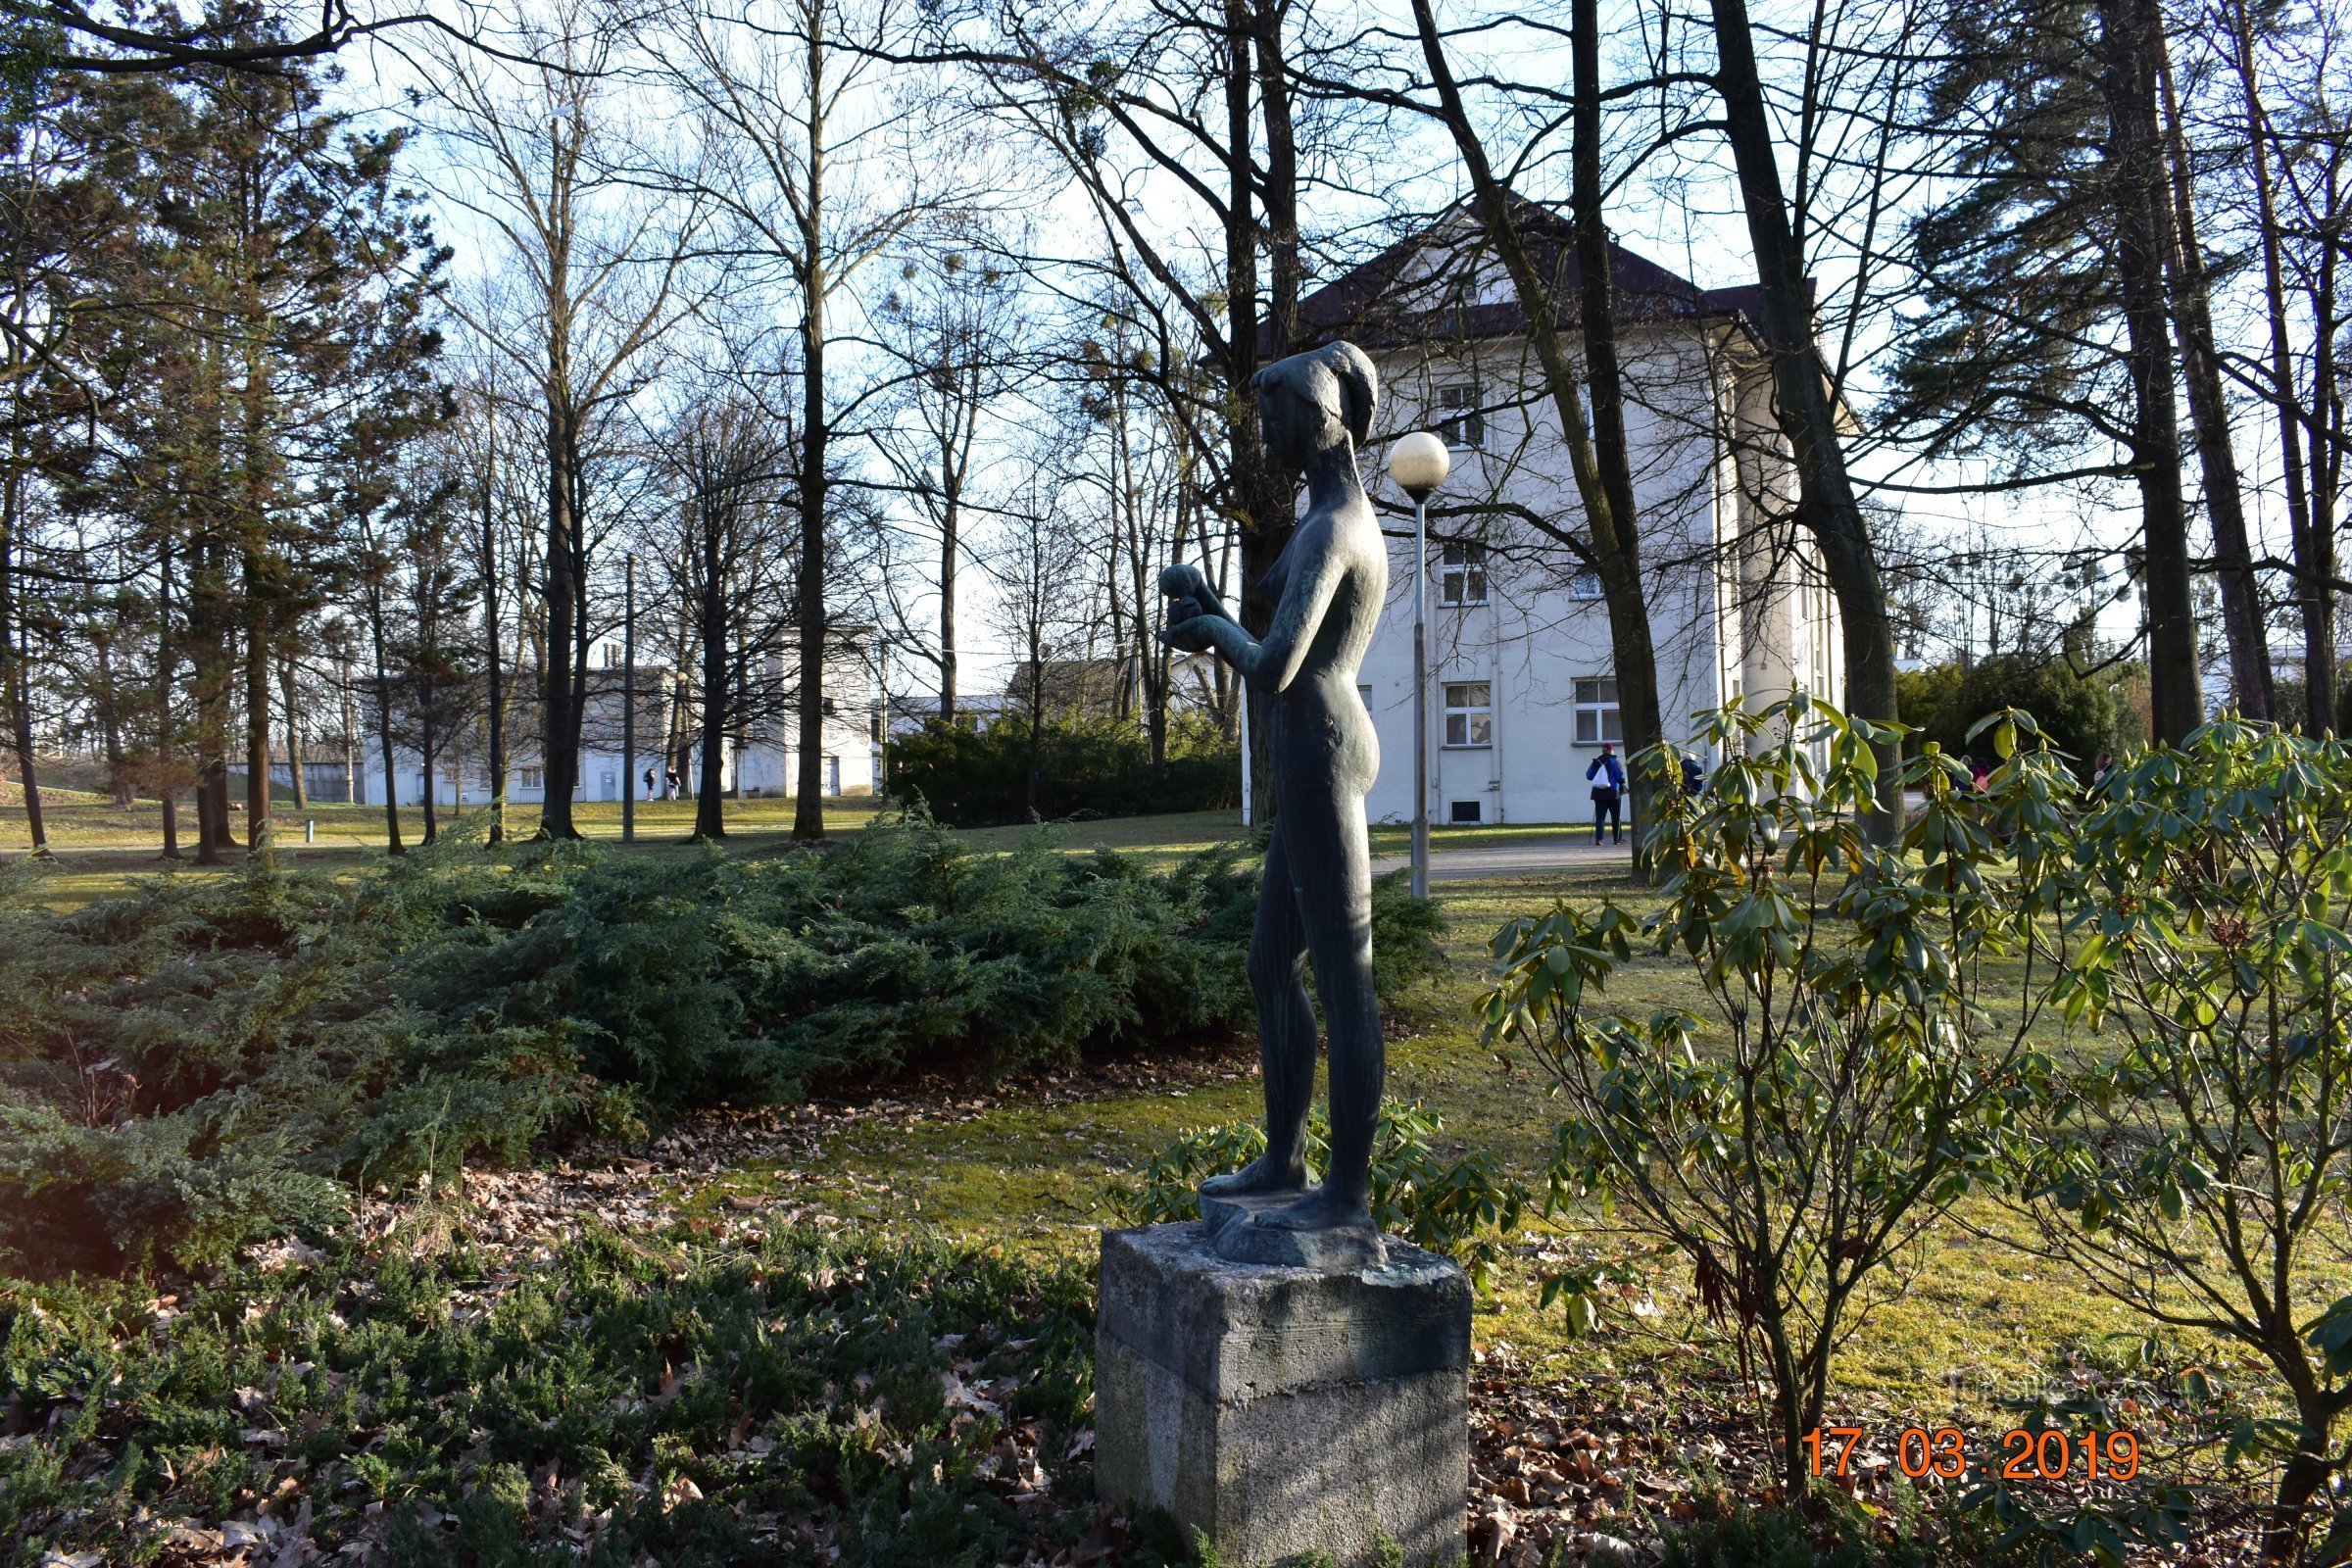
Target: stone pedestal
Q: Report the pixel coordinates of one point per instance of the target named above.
(1285, 1411)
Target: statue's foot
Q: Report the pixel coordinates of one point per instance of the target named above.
(1257, 1177)
(1322, 1209)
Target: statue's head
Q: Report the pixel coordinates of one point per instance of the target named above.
(1316, 401)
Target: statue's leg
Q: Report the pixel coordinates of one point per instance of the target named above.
(1333, 873)
(1285, 1032)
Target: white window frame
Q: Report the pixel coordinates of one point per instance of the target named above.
(530, 778)
(1462, 574)
(1469, 714)
(1584, 584)
(1596, 712)
(1460, 424)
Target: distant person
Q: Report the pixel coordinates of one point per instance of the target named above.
(669, 784)
(649, 785)
(1694, 777)
(2102, 770)
(1977, 777)
(1607, 777)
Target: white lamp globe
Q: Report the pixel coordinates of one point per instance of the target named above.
(1418, 463)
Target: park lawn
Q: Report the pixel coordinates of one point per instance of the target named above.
(103, 850)
(81, 819)
(1397, 838)
(1034, 1170)
(1976, 1327)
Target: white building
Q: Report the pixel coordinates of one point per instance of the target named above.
(1522, 690)
(667, 735)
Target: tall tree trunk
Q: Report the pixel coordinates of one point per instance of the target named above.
(560, 741)
(950, 551)
(1826, 504)
(16, 658)
(2315, 562)
(263, 591)
(210, 623)
(285, 686)
(1261, 496)
(166, 660)
(2313, 596)
(351, 735)
(494, 647)
(383, 720)
(427, 753)
(2209, 417)
(119, 786)
(2129, 32)
(808, 804)
(257, 718)
(709, 821)
(1636, 667)
(1610, 532)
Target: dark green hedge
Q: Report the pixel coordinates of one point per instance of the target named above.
(972, 775)
(219, 1057)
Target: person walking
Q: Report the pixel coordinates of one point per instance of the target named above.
(1607, 777)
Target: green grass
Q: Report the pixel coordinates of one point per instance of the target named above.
(1030, 1175)
(1397, 838)
(78, 819)
(1975, 1329)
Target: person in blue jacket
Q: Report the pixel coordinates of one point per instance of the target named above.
(1607, 777)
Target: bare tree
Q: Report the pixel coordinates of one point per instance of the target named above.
(728, 566)
(599, 264)
(813, 164)
(1036, 555)
(953, 321)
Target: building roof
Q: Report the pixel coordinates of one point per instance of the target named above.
(1390, 300)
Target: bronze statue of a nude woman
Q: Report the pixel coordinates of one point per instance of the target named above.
(1315, 903)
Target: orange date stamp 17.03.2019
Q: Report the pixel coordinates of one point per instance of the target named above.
(2047, 1454)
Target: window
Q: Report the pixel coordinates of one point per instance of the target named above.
(1469, 712)
(1585, 584)
(533, 778)
(1364, 690)
(1465, 810)
(1463, 581)
(1596, 711)
(1459, 422)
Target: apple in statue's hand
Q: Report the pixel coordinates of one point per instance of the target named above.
(1184, 583)
(1190, 600)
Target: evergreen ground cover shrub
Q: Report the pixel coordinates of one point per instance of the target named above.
(623, 1402)
(219, 1059)
(972, 775)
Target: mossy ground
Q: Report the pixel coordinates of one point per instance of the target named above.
(1977, 1327)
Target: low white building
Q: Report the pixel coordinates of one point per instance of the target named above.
(1522, 688)
(667, 735)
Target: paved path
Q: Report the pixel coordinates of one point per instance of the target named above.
(1521, 857)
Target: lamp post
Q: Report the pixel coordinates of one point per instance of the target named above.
(1418, 463)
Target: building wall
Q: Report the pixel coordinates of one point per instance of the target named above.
(1734, 603)
(765, 765)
